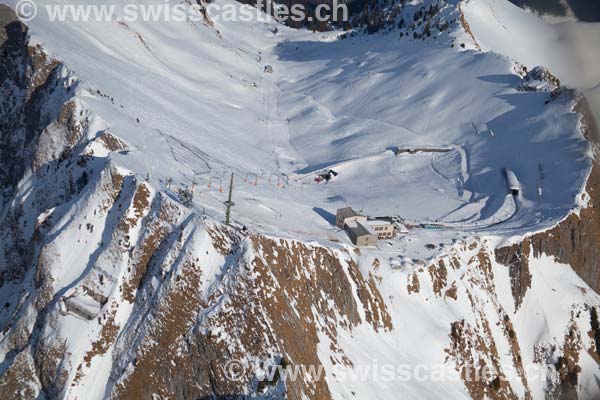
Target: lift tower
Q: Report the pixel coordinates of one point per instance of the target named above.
(229, 203)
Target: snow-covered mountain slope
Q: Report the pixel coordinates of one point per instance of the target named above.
(113, 289)
(301, 118)
(570, 49)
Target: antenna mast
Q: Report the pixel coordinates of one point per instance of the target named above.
(229, 202)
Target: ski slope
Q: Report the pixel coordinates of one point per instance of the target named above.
(206, 108)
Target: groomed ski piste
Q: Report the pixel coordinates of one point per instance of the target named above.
(194, 103)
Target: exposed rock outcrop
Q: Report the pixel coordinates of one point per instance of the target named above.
(266, 307)
(540, 79)
(38, 129)
(516, 257)
(37, 123)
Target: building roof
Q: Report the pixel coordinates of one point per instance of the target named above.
(359, 229)
(378, 222)
(348, 212)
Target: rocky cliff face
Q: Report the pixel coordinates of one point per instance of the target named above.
(262, 306)
(37, 119)
(37, 132)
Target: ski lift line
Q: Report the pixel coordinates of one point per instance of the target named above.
(283, 180)
(194, 154)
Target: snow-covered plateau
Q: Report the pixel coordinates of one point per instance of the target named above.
(469, 124)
